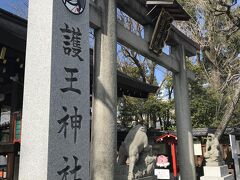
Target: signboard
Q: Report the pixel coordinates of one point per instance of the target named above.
(5, 117)
(197, 149)
(162, 173)
(3, 161)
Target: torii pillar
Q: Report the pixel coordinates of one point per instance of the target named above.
(104, 131)
(183, 120)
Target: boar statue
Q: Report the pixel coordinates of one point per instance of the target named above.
(136, 150)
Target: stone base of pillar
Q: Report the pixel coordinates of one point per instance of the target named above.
(216, 173)
(121, 173)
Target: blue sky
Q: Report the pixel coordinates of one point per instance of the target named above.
(18, 7)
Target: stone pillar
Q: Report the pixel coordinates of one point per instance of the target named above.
(184, 124)
(105, 97)
(56, 111)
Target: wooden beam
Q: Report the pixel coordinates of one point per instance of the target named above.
(134, 84)
(10, 165)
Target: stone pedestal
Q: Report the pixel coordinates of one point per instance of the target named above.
(121, 173)
(216, 173)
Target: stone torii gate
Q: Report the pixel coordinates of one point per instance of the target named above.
(108, 31)
(48, 68)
